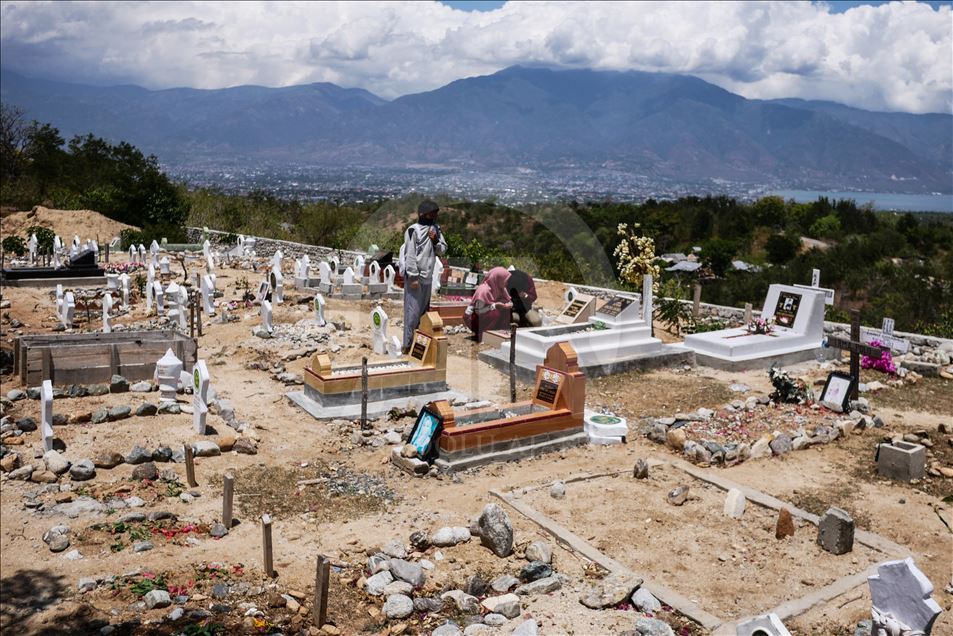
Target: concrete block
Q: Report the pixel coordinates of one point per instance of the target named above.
(902, 461)
(835, 531)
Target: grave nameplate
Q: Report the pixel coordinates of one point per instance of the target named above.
(548, 386)
(785, 311)
(421, 345)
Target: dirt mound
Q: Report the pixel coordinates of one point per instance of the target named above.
(67, 223)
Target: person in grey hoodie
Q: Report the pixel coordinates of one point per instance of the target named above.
(423, 243)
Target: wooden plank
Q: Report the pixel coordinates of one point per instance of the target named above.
(573, 542)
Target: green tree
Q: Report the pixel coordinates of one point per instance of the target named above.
(717, 255)
(781, 248)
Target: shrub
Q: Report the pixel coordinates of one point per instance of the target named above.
(14, 245)
(44, 237)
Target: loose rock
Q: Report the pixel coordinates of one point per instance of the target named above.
(496, 531)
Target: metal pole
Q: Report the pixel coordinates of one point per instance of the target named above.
(854, 356)
(322, 576)
(266, 545)
(364, 392)
(228, 492)
(512, 363)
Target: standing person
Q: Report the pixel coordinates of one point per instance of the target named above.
(423, 243)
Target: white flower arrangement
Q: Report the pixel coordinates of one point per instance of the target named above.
(635, 256)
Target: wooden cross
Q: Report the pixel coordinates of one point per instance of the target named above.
(856, 349)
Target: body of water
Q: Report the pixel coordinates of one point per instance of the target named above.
(880, 200)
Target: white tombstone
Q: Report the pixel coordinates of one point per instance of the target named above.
(168, 371)
(647, 300)
(335, 264)
(262, 292)
(900, 595)
(200, 381)
(437, 274)
(350, 288)
(124, 284)
(207, 289)
(389, 275)
(133, 254)
(374, 271)
(32, 244)
(95, 246)
(150, 293)
(764, 625)
(735, 504)
(358, 267)
(319, 310)
(46, 414)
(59, 299)
(160, 297)
(209, 264)
(206, 248)
(393, 347)
(67, 310)
(112, 282)
(325, 283)
(107, 308)
(277, 282)
(154, 248)
(266, 317)
(142, 253)
(176, 304)
(164, 266)
(379, 329)
(276, 260)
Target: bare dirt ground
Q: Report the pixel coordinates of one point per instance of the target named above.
(363, 501)
(87, 224)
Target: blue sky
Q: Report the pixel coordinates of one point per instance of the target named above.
(895, 56)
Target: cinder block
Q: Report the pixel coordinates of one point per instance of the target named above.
(902, 461)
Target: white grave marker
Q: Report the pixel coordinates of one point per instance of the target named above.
(207, 289)
(324, 281)
(277, 282)
(133, 254)
(168, 370)
(319, 310)
(33, 243)
(46, 414)
(124, 283)
(266, 317)
(164, 266)
(900, 595)
(67, 310)
(437, 275)
(389, 275)
(200, 381)
(379, 330)
(107, 319)
(142, 253)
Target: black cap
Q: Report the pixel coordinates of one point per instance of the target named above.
(427, 207)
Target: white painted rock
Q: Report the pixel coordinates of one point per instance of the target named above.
(734, 504)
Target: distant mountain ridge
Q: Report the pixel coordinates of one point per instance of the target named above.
(660, 125)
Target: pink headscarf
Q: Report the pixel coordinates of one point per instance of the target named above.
(493, 288)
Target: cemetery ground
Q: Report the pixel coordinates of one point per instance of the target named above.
(331, 489)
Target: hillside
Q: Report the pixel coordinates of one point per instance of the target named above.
(87, 224)
(649, 124)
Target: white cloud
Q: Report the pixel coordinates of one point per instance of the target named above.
(897, 56)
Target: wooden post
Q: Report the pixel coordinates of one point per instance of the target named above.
(190, 467)
(114, 366)
(107, 253)
(320, 610)
(512, 363)
(697, 300)
(228, 492)
(364, 392)
(854, 355)
(198, 313)
(266, 545)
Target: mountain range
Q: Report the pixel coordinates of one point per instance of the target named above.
(667, 126)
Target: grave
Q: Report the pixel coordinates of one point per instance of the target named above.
(81, 270)
(376, 286)
(91, 358)
(351, 290)
(783, 586)
(67, 310)
(277, 284)
(579, 308)
(616, 338)
(319, 310)
(168, 370)
(325, 280)
(420, 377)
(552, 419)
(107, 318)
(266, 329)
(379, 330)
(452, 311)
(796, 335)
(605, 429)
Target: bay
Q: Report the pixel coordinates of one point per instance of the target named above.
(880, 200)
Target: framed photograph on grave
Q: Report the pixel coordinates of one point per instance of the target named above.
(421, 344)
(786, 310)
(836, 393)
(472, 279)
(549, 383)
(424, 434)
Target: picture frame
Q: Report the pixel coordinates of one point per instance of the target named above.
(837, 391)
(423, 436)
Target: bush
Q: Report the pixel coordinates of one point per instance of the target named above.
(14, 245)
(129, 237)
(781, 248)
(44, 237)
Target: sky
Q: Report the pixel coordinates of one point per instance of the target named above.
(894, 56)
